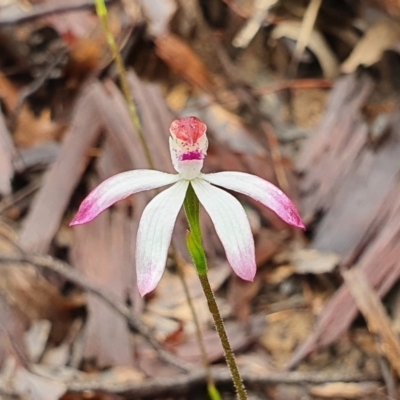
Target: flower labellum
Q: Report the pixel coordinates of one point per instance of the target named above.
(188, 146)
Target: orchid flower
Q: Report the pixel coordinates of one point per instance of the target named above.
(188, 146)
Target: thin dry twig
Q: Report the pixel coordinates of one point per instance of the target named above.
(254, 23)
(183, 383)
(276, 155)
(13, 199)
(66, 271)
(295, 84)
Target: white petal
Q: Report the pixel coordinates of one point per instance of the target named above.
(232, 226)
(260, 190)
(118, 187)
(154, 235)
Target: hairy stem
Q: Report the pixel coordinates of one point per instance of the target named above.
(212, 390)
(219, 324)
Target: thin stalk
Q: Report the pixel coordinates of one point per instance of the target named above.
(212, 390)
(101, 10)
(219, 324)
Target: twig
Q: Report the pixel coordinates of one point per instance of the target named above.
(15, 198)
(42, 10)
(295, 84)
(72, 275)
(261, 9)
(276, 155)
(183, 383)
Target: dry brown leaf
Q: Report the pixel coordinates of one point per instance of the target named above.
(345, 390)
(279, 274)
(284, 330)
(382, 36)
(29, 130)
(373, 311)
(311, 261)
(180, 57)
(35, 387)
(86, 55)
(116, 375)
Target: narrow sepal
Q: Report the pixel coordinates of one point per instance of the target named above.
(118, 187)
(260, 190)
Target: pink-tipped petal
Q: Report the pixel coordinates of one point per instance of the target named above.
(118, 187)
(260, 190)
(154, 235)
(232, 226)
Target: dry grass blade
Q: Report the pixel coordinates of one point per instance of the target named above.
(306, 29)
(49, 206)
(7, 151)
(253, 24)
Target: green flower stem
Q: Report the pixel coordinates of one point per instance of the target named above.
(102, 13)
(196, 250)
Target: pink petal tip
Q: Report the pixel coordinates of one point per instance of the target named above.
(86, 213)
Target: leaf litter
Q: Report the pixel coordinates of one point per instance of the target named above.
(78, 327)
